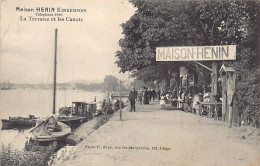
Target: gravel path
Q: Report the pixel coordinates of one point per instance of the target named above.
(152, 136)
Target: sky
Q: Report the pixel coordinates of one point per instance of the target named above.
(85, 50)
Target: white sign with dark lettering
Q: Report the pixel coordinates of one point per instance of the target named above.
(196, 53)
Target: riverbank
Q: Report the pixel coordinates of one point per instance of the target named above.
(86, 129)
(81, 133)
(55, 152)
(152, 136)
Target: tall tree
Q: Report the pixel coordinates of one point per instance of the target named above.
(183, 23)
(110, 83)
(176, 23)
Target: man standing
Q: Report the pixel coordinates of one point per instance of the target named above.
(146, 96)
(132, 99)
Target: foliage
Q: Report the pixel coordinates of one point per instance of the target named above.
(100, 121)
(91, 87)
(117, 105)
(183, 23)
(107, 107)
(176, 23)
(37, 157)
(248, 91)
(110, 83)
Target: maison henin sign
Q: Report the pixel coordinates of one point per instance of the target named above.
(196, 53)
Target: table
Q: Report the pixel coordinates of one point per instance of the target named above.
(215, 105)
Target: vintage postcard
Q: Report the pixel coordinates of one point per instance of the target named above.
(130, 82)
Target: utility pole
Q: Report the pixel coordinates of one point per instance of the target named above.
(120, 100)
(214, 82)
(214, 85)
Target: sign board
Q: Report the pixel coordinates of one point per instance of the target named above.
(196, 53)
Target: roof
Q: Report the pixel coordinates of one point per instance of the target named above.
(225, 69)
(230, 69)
(83, 102)
(79, 102)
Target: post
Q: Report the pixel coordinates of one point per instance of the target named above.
(214, 85)
(230, 109)
(224, 97)
(81, 113)
(120, 100)
(72, 109)
(55, 68)
(214, 82)
(231, 84)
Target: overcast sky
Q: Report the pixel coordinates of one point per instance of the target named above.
(85, 49)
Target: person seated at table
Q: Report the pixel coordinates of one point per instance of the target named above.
(196, 103)
(163, 100)
(189, 99)
(180, 99)
(206, 97)
(174, 94)
(167, 96)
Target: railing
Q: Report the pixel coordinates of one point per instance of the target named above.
(116, 94)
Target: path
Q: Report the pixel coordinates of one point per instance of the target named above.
(182, 139)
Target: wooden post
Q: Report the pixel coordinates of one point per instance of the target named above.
(120, 100)
(230, 111)
(214, 85)
(214, 82)
(224, 97)
(231, 83)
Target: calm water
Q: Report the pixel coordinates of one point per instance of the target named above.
(21, 102)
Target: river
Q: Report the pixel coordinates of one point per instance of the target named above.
(38, 102)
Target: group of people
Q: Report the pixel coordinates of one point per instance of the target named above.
(176, 99)
(143, 96)
(184, 100)
(146, 95)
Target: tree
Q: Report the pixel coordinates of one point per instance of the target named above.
(89, 87)
(177, 23)
(110, 83)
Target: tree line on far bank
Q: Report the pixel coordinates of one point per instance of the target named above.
(110, 83)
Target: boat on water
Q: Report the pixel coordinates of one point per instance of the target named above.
(50, 130)
(77, 114)
(5, 86)
(19, 122)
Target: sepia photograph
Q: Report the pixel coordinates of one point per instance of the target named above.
(130, 82)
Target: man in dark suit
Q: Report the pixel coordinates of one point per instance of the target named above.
(131, 98)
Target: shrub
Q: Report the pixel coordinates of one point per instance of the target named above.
(248, 92)
(100, 121)
(107, 107)
(37, 156)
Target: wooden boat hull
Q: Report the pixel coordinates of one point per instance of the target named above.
(73, 121)
(55, 136)
(23, 124)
